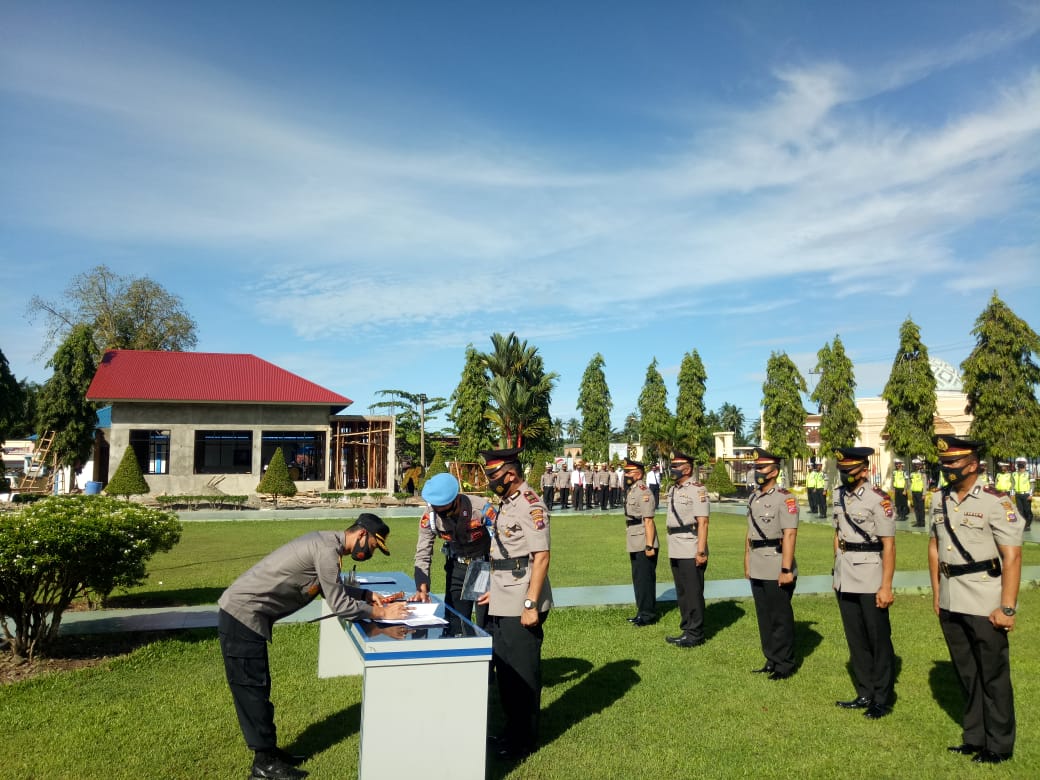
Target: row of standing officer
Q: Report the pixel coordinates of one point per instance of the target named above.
(587, 485)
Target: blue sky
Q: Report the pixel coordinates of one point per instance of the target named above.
(355, 191)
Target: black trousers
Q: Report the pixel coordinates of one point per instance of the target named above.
(517, 656)
(588, 496)
(980, 656)
(563, 497)
(1025, 507)
(775, 623)
(918, 497)
(811, 495)
(869, 636)
(902, 505)
(821, 503)
(656, 490)
(615, 496)
(604, 498)
(249, 678)
(547, 495)
(689, 595)
(644, 583)
(455, 576)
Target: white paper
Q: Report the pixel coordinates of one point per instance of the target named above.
(422, 615)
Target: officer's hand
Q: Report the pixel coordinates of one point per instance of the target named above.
(397, 610)
(883, 598)
(1000, 620)
(651, 553)
(421, 596)
(485, 598)
(785, 578)
(935, 603)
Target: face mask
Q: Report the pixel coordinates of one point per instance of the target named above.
(761, 477)
(360, 551)
(497, 485)
(848, 479)
(630, 481)
(953, 475)
(678, 473)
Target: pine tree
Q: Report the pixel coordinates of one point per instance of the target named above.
(275, 481)
(469, 406)
(595, 405)
(782, 412)
(693, 435)
(836, 398)
(1000, 379)
(62, 405)
(655, 420)
(128, 479)
(718, 480)
(910, 395)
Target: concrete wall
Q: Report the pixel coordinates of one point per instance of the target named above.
(182, 420)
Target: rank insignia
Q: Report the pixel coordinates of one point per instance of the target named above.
(531, 497)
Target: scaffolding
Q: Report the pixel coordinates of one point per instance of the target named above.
(361, 453)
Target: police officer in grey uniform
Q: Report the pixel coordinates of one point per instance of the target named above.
(563, 485)
(548, 485)
(770, 566)
(642, 543)
(603, 486)
(519, 600)
(975, 562)
(280, 584)
(464, 523)
(615, 487)
(864, 564)
(688, 511)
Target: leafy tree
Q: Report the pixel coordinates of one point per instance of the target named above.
(520, 393)
(122, 312)
(692, 434)
(275, 481)
(783, 413)
(557, 434)
(25, 422)
(1000, 379)
(595, 405)
(63, 405)
(57, 547)
(752, 433)
(836, 398)
(718, 480)
(412, 420)
(731, 418)
(128, 479)
(437, 461)
(469, 407)
(910, 395)
(12, 400)
(653, 413)
(630, 433)
(573, 429)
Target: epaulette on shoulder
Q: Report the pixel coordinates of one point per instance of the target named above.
(531, 497)
(880, 492)
(993, 491)
(698, 484)
(783, 491)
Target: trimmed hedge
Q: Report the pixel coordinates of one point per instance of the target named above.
(216, 501)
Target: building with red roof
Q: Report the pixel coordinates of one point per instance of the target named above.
(199, 420)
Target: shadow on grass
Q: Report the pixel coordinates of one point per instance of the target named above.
(561, 670)
(897, 669)
(331, 730)
(720, 615)
(806, 639)
(946, 689)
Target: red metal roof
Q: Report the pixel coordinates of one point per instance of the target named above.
(135, 375)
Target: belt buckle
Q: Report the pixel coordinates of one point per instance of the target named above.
(944, 568)
(841, 545)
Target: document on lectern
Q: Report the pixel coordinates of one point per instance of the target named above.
(421, 615)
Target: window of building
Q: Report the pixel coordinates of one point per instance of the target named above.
(152, 449)
(223, 452)
(304, 452)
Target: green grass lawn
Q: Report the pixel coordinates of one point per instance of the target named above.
(618, 701)
(587, 550)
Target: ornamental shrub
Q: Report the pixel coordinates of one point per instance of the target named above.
(64, 546)
(719, 482)
(128, 479)
(276, 481)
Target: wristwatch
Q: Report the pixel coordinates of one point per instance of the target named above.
(1009, 611)
(785, 571)
(528, 604)
(649, 547)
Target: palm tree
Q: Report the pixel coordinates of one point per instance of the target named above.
(520, 392)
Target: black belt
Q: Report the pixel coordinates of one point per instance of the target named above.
(510, 564)
(957, 569)
(859, 546)
(467, 561)
(629, 521)
(758, 543)
(674, 530)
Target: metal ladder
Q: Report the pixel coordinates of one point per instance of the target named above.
(34, 480)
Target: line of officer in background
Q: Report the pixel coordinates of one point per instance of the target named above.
(687, 523)
(463, 522)
(900, 480)
(769, 564)
(975, 563)
(518, 601)
(641, 542)
(864, 564)
(918, 486)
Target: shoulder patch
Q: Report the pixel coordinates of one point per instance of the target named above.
(792, 505)
(425, 522)
(489, 515)
(538, 517)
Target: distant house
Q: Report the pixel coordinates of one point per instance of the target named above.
(197, 420)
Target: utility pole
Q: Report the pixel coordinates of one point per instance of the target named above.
(422, 431)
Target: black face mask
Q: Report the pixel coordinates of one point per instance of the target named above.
(498, 485)
(629, 482)
(761, 477)
(360, 552)
(953, 475)
(678, 473)
(848, 479)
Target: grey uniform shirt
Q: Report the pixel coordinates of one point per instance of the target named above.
(289, 578)
(870, 509)
(563, 479)
(521, 528)
(639, 505)
(686, 502)
(773, 511)
(983, 520)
